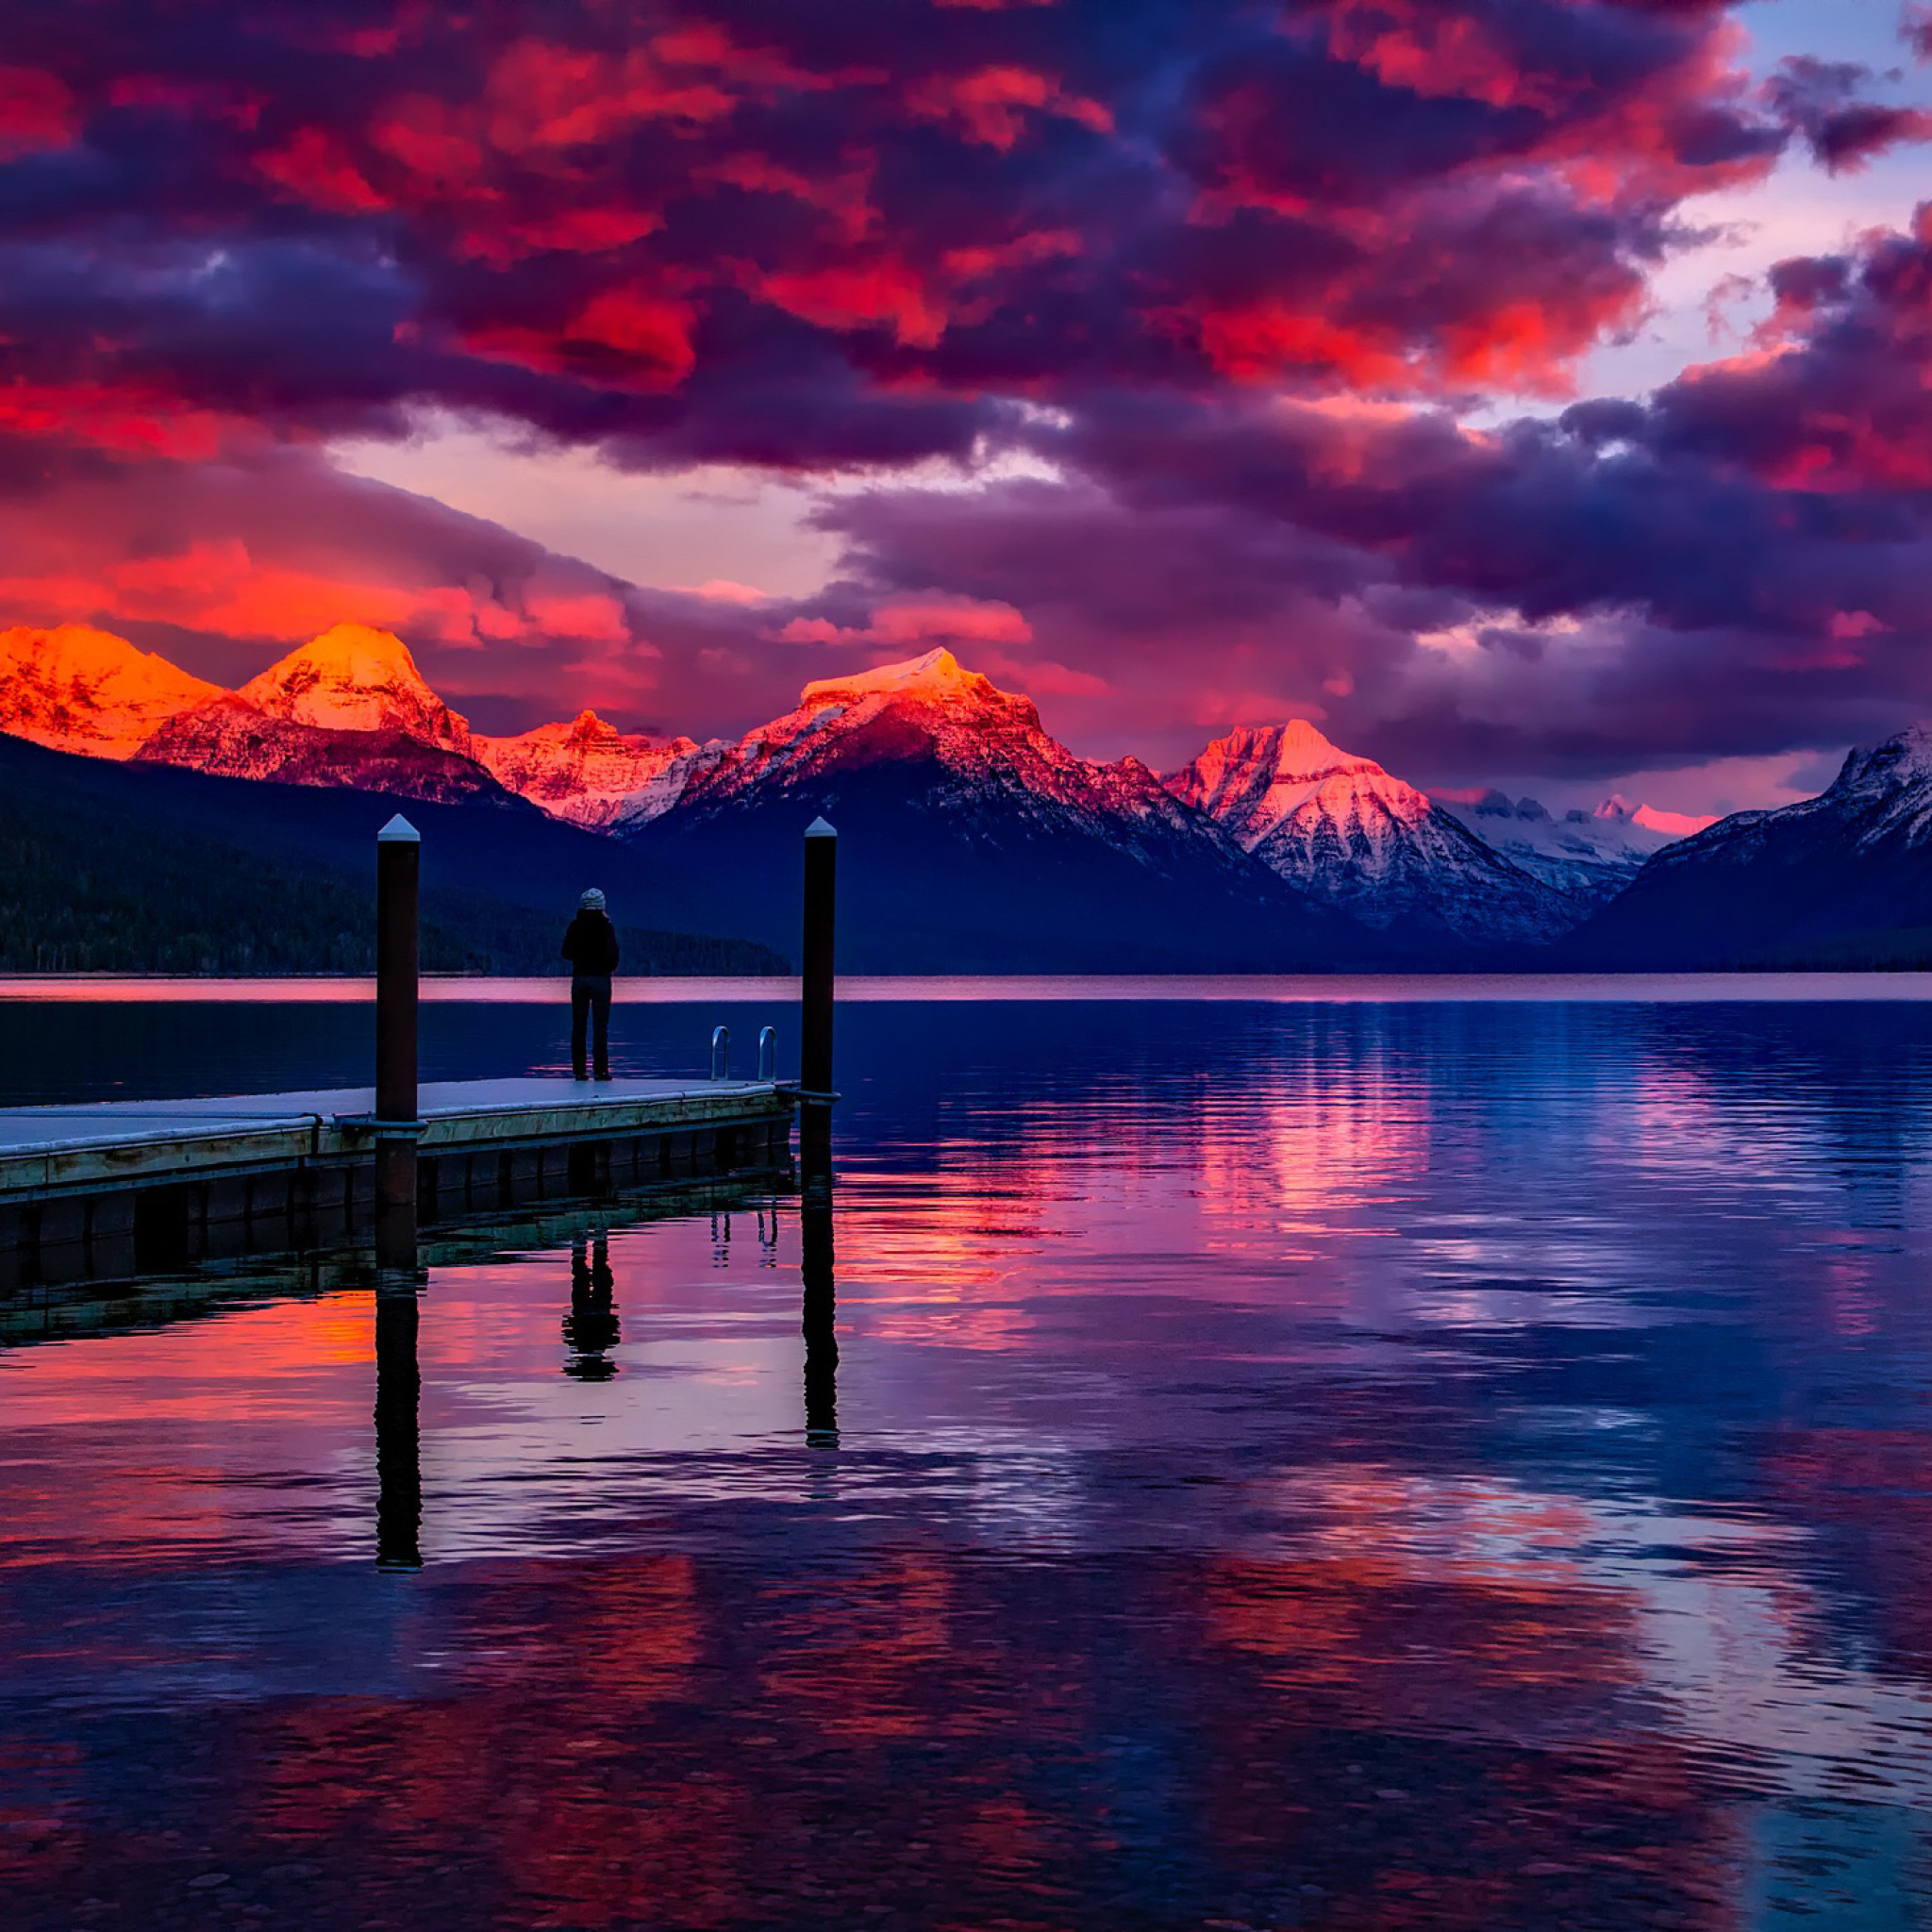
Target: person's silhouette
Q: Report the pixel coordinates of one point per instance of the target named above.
(589, 943)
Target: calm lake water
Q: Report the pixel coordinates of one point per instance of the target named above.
(1367, 1462)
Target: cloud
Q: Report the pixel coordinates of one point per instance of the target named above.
(225, 565)
(737, 230)
(1209, 288)
(908, 623)
(1825, 100)
(1740, 566)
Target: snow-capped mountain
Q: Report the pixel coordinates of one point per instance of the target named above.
(1589, 856)
(1348, 833)
(227, 738)
(347, 709)
(975, 841)
(79, 689)
(353, 678)
(1842, 878)
(589, 774)
(984, 743)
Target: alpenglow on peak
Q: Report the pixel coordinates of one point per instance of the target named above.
(939, 674)
(355, 678)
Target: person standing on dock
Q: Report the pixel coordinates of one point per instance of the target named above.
(591, 946)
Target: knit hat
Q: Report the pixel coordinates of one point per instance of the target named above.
(593, 901)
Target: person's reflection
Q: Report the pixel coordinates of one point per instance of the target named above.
(820, 1311)
(590, 1327)
(398, 1445)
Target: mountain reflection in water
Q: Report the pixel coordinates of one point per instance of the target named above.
(1332, 1466)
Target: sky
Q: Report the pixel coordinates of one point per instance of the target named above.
(1528, 391)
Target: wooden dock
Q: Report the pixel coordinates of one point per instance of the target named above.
(124, 1187)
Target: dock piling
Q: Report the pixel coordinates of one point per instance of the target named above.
(398, 887)
(817, 991)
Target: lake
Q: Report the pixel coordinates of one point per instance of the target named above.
(1340, 1455)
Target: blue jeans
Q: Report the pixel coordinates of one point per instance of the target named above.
(590, 997)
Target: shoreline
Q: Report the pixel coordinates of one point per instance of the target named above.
(1885, 987)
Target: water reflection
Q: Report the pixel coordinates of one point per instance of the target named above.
(591, 1330)
(398, 1435)
(1333, 1469)
(821, 1309)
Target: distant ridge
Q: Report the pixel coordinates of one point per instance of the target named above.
(1840, 881)
(1588, 857)
(143, 868)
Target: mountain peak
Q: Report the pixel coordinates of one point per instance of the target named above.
(1345, 831)
(1257, 777)
(345, 654)
(937, 676)
(1904, 758)
(356, 679)
(587, 772)
(76, 689)
(1300, 749)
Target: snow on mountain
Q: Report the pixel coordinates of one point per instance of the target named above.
(973, 841)
(591, 775)
(1674, 824)
(988, 745)
(1348, 833)
(1589, 856)
(79, 689)
(353, 678)
(229, 738)
(1844, 878)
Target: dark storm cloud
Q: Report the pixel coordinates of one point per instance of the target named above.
(618, 222)
(1825, 100)
(1741, 564)
(1226, 266)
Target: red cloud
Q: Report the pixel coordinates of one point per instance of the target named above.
(907, 622)
(37, 111)
(991, 104)
(1139, 240)
(108, 416)
(922, 218)
(315, 167)
(629, 339)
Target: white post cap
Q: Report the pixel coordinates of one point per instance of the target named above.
(397, 832)
(819, 829)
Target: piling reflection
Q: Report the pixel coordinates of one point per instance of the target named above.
(590, 1329)
(1393, 1470)
(821, 1307)
(398, 1379)
(398, 1428)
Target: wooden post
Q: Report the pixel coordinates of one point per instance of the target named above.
(398, 875)
(817, 994)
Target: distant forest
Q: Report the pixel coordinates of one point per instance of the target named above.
(83, 897)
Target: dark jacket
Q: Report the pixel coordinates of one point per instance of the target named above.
(590, 946)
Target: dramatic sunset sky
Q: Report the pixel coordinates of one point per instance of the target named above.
(1529, 391)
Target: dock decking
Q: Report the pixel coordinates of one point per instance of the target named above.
(86, 1190)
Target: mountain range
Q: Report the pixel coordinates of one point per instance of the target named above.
(973, 841)
(1842, 880)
